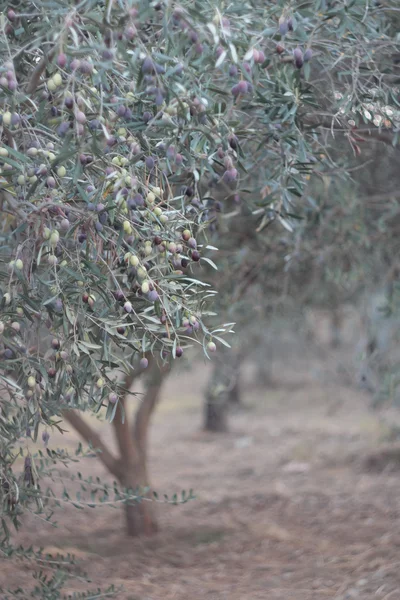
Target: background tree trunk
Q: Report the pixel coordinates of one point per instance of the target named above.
(336, 327)
(222, 390)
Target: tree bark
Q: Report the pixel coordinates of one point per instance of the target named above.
(215, 415)
(223, 379)
(140, 516)
(336, 327)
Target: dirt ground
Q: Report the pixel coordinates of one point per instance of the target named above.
(287, 507)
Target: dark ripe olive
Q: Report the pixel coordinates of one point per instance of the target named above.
(298, 57)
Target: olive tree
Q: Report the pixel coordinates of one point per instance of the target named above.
(128, 130)
(103, 112)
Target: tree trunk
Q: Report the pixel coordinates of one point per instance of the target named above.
(221, 390)
(336, 327)
(215, 415)
(140, 516)
(130, 467)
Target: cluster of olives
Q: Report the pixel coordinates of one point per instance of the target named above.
(286, 25)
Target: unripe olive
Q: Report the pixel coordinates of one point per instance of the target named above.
(80, 117)
(2, 326)
(145, 287)
(16, 326)
(65, 224)
(51, 85)
(31, 382)
(54, 238)
(150, 197)
(211, 347)
(19, 264)
(100, 383)
(57, 79)
(127, 227)
(134, 261)
(52, 260)
(128, 307)
(7, 118)
(61, 171)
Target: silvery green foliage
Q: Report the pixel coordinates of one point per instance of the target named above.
(110, 113)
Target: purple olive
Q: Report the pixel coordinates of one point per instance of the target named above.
(147, 65)
(63, 128)
(298, 57)
(144, 363)
(233, 71)
(139, 200)
(147, 116)
(230, 175)
(308, 55)
(149, 162)
(153, 296)
(283, 27)
(178, 352)
(195, 256)
(243, 87)
(62, 60)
